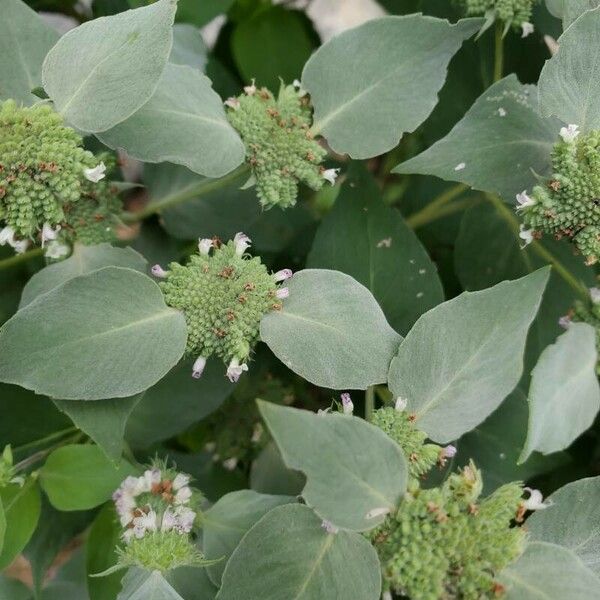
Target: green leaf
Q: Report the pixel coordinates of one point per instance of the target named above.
(500, 153)
(550, 572)
(575, 8)
(84, 259)
(569, 85)
(21, 510)
(285, 45)
(184, 123)
(227, 521)
(462, 358)
(200, 13)
(269, 475)
(103, 335)
(188, 47)
(370, 241)
(24, 42)
(2, 526)
(351, 466)
(78, 477)
(367, 95)
(299, 559)
(12, 589)
(176, 402)
(191, 583)
(572, 521)
(331, 331)
(103, 421)
(139, 584)
(564, 396)
(103, 71)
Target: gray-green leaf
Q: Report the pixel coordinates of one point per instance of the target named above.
(351, 466)
(331, 331)
(575, 8)
(103, 71)
(188, 47)
(107, 334)
(139, 584)
(372, 83)
(184, 123)
(462, 358)
(288, 554)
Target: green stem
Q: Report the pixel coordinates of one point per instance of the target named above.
(430, 212)
(498, 51)
(17, 259)
(49, 438)
(369, 402)
(205, 186)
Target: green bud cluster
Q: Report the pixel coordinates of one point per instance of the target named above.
(446, 542)
(399, 425)
(41, 167)
(279, 145)
(568, 205)
(511, 12)
(6, 467)
(223, 295)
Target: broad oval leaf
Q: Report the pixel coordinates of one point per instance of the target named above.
(299, 559)
(78, 477)
(351, 466)
(107, 334)
(564, 395)
(24, 42)
(139, 584)
(370, 241)
(188, 46)
(228, 520)
(366, 95)
(463, 357)
(84, 259)
(575, 8)
(184, 123)
(100, 73)
(569, 85)
(550, 572)
(497, 146)
(572, 521)
(331, 331)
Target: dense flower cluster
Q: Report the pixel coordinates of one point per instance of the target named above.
(515, 13)
(279, 144)
(157, 513)
(568, 205)
(447, 542)
(223, 294)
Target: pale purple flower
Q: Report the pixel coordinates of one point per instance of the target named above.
(185, 519)
(535, 500)
(595, 295)
(159, 272)
(20, 246)
(524, 201)
(198, 367)
(169, 520)
(7, 236)
(282, 293)
(448, 452)
(143, 523)
(232, 103)
(48, 233)
(96, 174)
(527, 29)
(330, 175)
(378, 512)
(235, 370)
(282, 275)
(565, 321)
(569, 133)
(526, 235)
(181, 480)
(183, 495)
(241, 242)
(230, 464)
(329, 527)
(347, 405)
(400, 404)
(149, 478)
(56, 250)
(204, 245)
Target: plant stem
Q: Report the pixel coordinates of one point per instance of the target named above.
(498, 51)
(201, 188)
(49, 438)
(430, 212)
(17, 259)
(369, 402)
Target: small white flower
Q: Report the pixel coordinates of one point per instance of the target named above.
(143, 523)
(241, 242)
(257, 433)
(447, 452)
(159, 272)
(378, 512)
(502, 112)
(181, 480)
(460, 166)
(527, 29)
(250, 89)
(204, 245)
(21, 245)
(347, 405)
(524, 201)
(96, 174)
(565, 321)
(569, 133)
(230, 464)
(329, 527)
(150, 478)
(232, 103)
(330, 175)
(535, 500)
(185, 519)
(400, 404)
(198, 367)
(282, 275)
(7, 236)
(526, 235)
(169, 520)
(57, 250)
(48, 233)
(282, 293)
(235, 370)
(183, 495)
(595, 295)
(301, 92)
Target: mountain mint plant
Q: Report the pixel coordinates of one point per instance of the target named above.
(418, 413)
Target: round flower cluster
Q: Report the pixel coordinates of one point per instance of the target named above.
(515, 13)
(157, 515)
(446, 542)
(568, 205)
(279, 144)
(223, 295)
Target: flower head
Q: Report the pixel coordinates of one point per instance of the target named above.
(569, 133)
(347, 405)
(96, 173)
